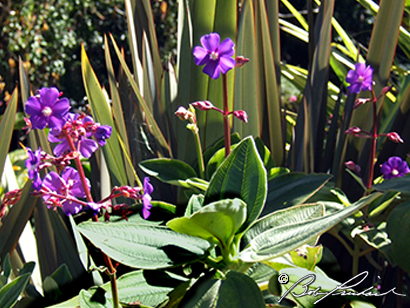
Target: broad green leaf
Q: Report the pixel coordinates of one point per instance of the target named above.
(400, 184)
(281, 239)
(11, 291)
(89, 299)
(102, 114)
(195, 203)
(150, 288)
(216, 222)
(236, 290)
(216, 160)
(276, 171)
(171, 171)
(241, 175)
(260, 272)
(6, 128)
(397, 222)
(143, 246)
(288, 216)
(291, 189)
(307, 256)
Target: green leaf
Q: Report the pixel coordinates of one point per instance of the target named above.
(401, 184)
(102, 114)
(195, 203)
(171, 171)
(288, 216)
(216, 222)
(143, 246)
(397, 222)
(150, 288)
(6, 128)
(281, 239)
(94, 298)
(6, 266)
(11, 291)
(306, 256)
(241, 175)
(236, 290)
(292, 188)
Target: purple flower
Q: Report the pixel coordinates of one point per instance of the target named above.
(101, 133)
(360, 79)
(47, 109)
(394, 167)
(78, 134)
(68, 185)
(146, 198)
(216, 57)
(32, 163)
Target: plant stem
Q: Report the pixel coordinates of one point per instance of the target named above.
(201, 165)
(112, 271)
(373, 146)
(227, 129)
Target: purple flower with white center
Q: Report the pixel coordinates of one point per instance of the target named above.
(101, 133)
(360, 79)
(47, 109)
(68, 185)
(146, 198)
(394, 167)
(216, 57)
(32, 164)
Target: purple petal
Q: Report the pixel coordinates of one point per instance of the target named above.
(87, 147)
(33, 106)
(37, 183)
(226, 64)
(385, 168)
(355, 88)
(210, 41)
(55, 136)
(88, 119)
(53, 182)
(148, 188)
(94, 206)
(55, 121)
(102, 133)
(146, 202)
(360, 68)
(49, 96)
(201, 56)
(212, 69)
(394, 162)
(351, 76)
(226, 48)
(61, 149)
(71, 207)
(61, 107)
(38, 121)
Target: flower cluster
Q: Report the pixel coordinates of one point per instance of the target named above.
(394, 167)
(75, 134)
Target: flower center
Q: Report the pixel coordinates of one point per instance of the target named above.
(395, 172)
(47, 111)
(214, 55)
(360, 79)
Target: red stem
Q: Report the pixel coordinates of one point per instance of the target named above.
(227, 129)
(373, 144)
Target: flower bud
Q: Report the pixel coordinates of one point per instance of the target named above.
(354, 130)
(352, 166)
(241, 115)
(183, 113)
(241, 61)
(386, 89)
(360, 101)
(203, 105)
(395, 137)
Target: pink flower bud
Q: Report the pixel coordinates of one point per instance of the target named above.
(241, 115)
(293, 99)
(352, 166)
(203, 105)
(183, 113)
(386, 89)
(354, 130)
(360, 101)
(240, 61)
(395, 137)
